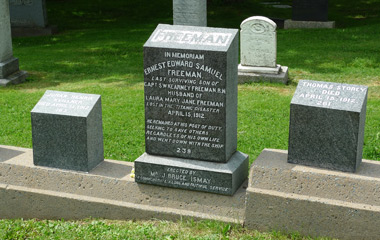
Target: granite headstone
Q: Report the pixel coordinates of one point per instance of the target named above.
(9, 67)
(28, 13)
(190, 12)
(67, 131)
(327, 125)
(306, 10)
(258, 52)
(190, 76)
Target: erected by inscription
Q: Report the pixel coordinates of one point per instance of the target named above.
(327, 125)
(67, 131)
(193, 174)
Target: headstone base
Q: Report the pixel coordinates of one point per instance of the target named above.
(10, 73)
(266, 70)
(221, 178)
(34, 31)
(288, 24)
(15, 78)
(282, 76)
(313, 201)
(8, 67)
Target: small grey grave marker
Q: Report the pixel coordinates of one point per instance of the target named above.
(28, 13)
(327, 125)
(9, 68)
(309, 14)
(190, 12)
(191, 110)
(67, 131)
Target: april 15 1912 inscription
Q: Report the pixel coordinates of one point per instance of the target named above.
(185, 94)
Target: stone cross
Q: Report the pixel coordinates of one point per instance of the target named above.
(190, 12)
(258, 42)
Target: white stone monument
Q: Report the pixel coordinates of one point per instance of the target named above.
(258, 52)
(190, 12)
(9, 68)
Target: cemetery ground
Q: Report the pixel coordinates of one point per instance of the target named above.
(99, 51)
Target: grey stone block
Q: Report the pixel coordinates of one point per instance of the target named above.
(67, 131)
(311, 201)
(289, 24)
(222, 178)
(306, 10)
(190, 76)
(14, 78)
(281, 77)
(190, 12)
(28, 13)
(327, 125)
(8, 67)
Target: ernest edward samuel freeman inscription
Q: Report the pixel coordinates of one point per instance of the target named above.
(327, 125)
(185, 95)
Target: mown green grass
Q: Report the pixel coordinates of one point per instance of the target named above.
(99, 50)
(102, 229)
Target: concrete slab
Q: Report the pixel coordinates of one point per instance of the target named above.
(281, 77)
(288, 24)
(313, 201)
(108, 191)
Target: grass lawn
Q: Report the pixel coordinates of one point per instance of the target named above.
(99, 50)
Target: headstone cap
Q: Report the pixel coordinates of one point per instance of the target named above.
(192, 38)
(259, 19)
(66, 103)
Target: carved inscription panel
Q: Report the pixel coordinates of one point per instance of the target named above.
(66, 103)
(330, 95)
(185, 103)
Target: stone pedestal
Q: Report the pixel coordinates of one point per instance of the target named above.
(193, 174)
(279, 74)
(67, 131)
(312, 201)
(288, 24)
(9, 67)
(190, 77)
